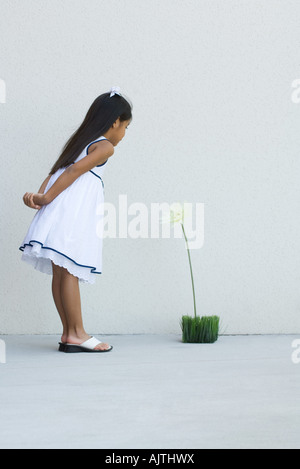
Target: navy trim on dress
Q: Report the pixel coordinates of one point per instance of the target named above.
(21, 248)
(87, 149)
(98, 165)
(97, 177)
(90, 171)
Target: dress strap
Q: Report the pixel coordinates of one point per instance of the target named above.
(94, 141)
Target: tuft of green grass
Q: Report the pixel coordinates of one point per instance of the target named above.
(203, 330)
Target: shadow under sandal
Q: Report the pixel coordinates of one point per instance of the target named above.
(87, 346)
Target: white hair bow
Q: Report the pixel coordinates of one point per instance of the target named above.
(115, 90)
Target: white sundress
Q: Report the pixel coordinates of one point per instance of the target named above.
(69, 230)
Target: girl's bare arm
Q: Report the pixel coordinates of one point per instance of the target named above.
(44, 185)
(97, 156)
(28, 197)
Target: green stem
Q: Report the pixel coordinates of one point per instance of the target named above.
(191, 270)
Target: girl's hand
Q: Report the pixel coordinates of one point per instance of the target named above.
(34, 200)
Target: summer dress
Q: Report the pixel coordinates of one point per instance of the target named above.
(69, 230)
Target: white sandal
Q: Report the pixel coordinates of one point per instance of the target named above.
(87, 346)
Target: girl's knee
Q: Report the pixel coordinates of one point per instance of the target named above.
(57, 270)
(62, 273)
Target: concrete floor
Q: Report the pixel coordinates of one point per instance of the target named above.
(151, 392)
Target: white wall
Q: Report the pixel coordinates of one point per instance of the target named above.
(214, 122)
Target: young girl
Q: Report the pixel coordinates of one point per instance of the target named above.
(63, 238)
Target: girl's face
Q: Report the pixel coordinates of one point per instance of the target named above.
(117, 131)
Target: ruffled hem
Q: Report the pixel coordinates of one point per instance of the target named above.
(40, 258)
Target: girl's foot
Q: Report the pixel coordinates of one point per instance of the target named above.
(77, 340)
(64, 338)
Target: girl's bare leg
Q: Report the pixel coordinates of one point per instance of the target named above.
(56, 282)
(68, 304)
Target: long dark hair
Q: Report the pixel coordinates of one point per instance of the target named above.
(104, 111)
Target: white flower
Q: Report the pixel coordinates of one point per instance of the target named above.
(177, 214)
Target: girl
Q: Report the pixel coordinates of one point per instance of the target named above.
(63, 238)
